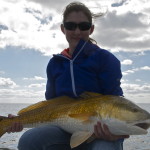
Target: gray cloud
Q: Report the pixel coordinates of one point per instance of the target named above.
(3, 27)
(118, 4)
(125, 32)
(39, 16)
(120, 31)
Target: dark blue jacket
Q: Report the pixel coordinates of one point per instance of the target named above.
(90, 69)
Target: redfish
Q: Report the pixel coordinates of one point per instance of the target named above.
(78, 116)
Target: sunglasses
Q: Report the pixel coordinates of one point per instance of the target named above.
(83, 26)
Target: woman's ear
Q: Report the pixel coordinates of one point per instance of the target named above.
(92, 29)
(62, 28)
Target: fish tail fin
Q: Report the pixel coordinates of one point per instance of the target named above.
(2, 130)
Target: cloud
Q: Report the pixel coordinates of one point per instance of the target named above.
(136, 92)
(7, 83)
(21, 96)
(123, 32)
(145, 68)
(37, 85)
(126, 62)
(127, 72)
(31, 27)
(3, 27)
(57, 5)
(35, 78)
(120, 3)
(135, 88)
(36, 25)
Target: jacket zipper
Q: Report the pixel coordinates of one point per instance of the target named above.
(72, 78)
(72, 73)
(71, 70)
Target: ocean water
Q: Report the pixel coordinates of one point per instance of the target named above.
(9, 141)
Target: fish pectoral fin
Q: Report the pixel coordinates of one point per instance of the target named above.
(86, 117)
(91, 138)
(79, 137)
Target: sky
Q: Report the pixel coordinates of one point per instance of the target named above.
(30, 34)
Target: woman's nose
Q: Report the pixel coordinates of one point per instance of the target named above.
(77, 30)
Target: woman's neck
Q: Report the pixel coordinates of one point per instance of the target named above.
(71, 50)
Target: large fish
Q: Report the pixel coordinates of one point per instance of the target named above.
(78, 116)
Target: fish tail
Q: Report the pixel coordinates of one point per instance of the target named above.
(2, 130)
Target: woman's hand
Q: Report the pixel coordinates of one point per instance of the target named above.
(15, 127)
(104, 133)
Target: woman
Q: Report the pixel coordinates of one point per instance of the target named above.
(81, 67)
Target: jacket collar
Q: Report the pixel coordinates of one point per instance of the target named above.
(79, 48)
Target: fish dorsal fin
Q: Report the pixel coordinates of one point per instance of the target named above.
(79, 137)
(53, 102)
(84, 116)
(32, 107)
(87, 95)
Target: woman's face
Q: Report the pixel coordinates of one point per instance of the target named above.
(73, 36)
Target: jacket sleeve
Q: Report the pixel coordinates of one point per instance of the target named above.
(50, 86)
(110, 76)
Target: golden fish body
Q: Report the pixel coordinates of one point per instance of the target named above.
(78, 116)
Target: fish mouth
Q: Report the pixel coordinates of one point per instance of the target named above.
(144, 125)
